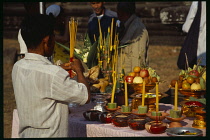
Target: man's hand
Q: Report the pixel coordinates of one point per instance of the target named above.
(65, 66)
(76, 66)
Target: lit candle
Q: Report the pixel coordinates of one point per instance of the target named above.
(126, 94)
(157, 99)
(176, 96)
(143, 93)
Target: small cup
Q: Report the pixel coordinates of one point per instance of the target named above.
(112, 105)
(156, 127)
(137, 123)
(91, 115)
(120, 120)
(105, 117)
(125, 108)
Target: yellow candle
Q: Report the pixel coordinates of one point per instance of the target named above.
(70, 38)
(143, 93)
(72, 32)
(176, 96)
(157, 99)
(126, 94)
(113, 90)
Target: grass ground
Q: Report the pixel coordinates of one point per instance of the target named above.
(162, 59)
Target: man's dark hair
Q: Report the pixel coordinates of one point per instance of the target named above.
(127, 7)
(35, 27)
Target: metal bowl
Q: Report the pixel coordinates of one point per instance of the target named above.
(139, 86)
(177, 132)
(192, 93)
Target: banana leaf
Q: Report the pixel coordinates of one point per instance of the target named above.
(87, 41)
(67, 48)
(92, 56)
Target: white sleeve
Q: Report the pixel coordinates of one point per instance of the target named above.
(68, 90)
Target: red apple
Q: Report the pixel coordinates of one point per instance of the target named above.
(144, 73)
(129, 79)
(194, 73)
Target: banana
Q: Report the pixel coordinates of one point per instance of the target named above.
(202, 83)
(204, 76)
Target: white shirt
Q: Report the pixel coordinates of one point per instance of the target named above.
(42, 92)
(201, 52)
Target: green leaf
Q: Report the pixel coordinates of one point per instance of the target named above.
(67, 48)
(91, 59)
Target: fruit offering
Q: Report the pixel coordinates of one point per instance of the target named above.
(139, 74)
(191, 79)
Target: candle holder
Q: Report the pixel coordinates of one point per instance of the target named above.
(125, 110)
(135, 112)
(157, 118)
(112, 107)
(177, 120)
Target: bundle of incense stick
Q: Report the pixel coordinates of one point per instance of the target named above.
(106, 47)
(72, 32)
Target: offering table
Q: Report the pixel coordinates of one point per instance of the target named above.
(80, 127)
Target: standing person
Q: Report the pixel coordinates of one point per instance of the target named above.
(195, 42)
(104, 15)
(43, 90)
(133, 37)
(60, 54)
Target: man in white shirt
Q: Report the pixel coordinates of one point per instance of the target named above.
(43, 90)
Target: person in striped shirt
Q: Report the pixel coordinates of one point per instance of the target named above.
(43, 90)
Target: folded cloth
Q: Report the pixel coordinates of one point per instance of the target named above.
(202, 100)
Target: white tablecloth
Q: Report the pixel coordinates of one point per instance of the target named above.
(79, 127)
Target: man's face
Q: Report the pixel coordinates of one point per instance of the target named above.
(97, 7)
(122, 16)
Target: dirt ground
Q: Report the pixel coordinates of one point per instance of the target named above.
(162, 59)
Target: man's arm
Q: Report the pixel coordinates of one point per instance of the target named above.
(76, 66)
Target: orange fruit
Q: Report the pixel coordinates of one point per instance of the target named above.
(186, 86)
(132, 74)
(136, 69)
(185, 81)
(190, 79)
